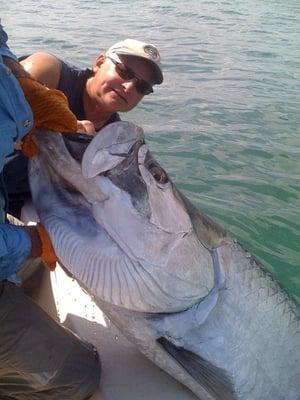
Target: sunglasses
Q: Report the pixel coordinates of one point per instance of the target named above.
(127, 74)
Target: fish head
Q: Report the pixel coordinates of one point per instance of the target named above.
(119, 154)
(146, 217)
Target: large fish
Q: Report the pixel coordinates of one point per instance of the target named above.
(189, 296)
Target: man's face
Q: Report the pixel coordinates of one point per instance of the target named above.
(113, 92)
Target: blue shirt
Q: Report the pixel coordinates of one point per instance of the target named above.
(15, 121)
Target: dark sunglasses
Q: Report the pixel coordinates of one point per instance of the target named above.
(127, 74)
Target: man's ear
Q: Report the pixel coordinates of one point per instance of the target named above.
(99, 60)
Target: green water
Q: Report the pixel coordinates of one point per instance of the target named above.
(225, 123)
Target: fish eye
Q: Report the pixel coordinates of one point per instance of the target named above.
(158, 173)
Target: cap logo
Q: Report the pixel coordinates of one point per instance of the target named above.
(152, 52)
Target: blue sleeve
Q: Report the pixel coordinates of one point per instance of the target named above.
(16, 118)
(4, 49)
(15, 121)
(15, 247)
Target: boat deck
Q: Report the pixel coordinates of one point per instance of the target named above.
(126, 373)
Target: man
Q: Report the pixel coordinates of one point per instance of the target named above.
(39, 359)
(120, 79)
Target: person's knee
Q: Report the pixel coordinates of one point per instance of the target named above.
(81, 373)
(91, 383)
(39, 359)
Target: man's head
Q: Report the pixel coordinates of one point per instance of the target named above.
(125, 73)
(144, 51)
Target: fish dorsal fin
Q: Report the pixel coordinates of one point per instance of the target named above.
(213, 379)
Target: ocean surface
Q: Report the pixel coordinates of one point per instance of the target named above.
(225, 123)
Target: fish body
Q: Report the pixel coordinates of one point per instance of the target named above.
(189, 296)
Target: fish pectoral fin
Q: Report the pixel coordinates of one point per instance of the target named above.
(213, 379)
(177, 325)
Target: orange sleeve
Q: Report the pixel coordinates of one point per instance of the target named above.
(50, 111)
(48, 256)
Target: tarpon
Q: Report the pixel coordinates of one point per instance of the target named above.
(185, 292)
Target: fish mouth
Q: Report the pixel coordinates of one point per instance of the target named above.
(126, 176)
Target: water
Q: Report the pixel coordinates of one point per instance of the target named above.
(225, 123)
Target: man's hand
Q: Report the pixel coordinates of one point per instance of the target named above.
(86, 126)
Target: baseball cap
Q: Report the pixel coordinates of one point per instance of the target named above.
(136, 48)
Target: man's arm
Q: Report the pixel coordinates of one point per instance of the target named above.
(46, 68)
(43, 67)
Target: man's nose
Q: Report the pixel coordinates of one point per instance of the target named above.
(129, 85)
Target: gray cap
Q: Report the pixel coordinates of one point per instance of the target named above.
(136, 48)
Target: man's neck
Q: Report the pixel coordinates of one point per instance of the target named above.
(93, 111)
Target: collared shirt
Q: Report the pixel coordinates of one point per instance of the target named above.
(16, 120)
